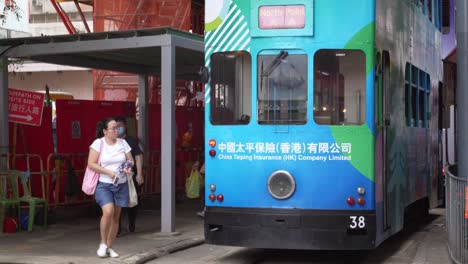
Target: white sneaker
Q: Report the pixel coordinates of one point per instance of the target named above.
(102, 250)
(201, 214)
(112, 253)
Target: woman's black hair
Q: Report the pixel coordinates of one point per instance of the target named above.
(102, 125)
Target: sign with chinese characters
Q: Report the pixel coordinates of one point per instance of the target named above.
(281, 17)
(292, 151)
(25, 107)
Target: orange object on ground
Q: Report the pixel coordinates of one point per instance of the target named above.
(466, 202)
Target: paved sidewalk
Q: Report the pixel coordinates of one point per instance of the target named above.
(76, 240)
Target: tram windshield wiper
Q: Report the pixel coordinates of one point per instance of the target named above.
(274, 63)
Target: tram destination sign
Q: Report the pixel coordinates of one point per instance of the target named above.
(25, 107)
(281, 17)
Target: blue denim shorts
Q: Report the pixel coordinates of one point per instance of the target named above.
(109, 193)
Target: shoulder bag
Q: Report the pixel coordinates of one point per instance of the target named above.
(91, 177)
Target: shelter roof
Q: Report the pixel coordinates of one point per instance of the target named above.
(132, 51)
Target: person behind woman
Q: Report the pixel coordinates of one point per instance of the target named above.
(112, 188)
(138, 180)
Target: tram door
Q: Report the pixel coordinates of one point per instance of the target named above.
(383, 122)
(385, 87)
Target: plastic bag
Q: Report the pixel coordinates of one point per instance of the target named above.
(192, 184)
(132, 193)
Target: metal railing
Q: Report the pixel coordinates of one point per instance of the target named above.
(457, 224)
(57, 170)
(49, 181)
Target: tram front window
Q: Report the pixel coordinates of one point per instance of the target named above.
(231, 88)
(282, 87)
(339, 87)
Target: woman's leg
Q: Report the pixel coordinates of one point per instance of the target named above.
(114, 226)
(108, 211)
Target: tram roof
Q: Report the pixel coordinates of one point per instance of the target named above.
(131, 51)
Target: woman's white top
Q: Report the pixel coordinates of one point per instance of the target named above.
(112, 157)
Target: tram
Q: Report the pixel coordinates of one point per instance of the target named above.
(320, 120)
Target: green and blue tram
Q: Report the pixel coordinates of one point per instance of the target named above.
(321, 120)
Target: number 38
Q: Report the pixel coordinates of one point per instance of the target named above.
(357, 222)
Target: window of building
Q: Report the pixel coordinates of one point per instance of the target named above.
(282, 87)
(10, 3)
(231, 88)
(339, 87)
(445, 17)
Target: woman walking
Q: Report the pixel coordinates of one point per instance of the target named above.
(112, 188)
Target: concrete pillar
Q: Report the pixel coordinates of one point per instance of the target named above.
(143, 120)
(4, 136)
(167, 139)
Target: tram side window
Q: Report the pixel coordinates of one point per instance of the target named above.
(414, 96)
(282, 87)
(231, 88)
(429, 9)
(407, 94)
(339, 87)
(417, 96)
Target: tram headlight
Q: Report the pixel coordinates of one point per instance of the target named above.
(281, 184)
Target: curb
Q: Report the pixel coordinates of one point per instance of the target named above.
(155, 253)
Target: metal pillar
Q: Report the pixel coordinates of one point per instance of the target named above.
(4, 136)
(167, 139)
(143, 120)
(461, 25)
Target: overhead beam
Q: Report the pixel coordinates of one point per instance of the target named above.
(189, 44)
(83, 61)
(83, 45)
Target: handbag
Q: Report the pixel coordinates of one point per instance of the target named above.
(91, 177)
(132, 194)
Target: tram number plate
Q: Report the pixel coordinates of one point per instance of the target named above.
(357, 222)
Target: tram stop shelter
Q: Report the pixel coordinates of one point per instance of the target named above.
(164, 52)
